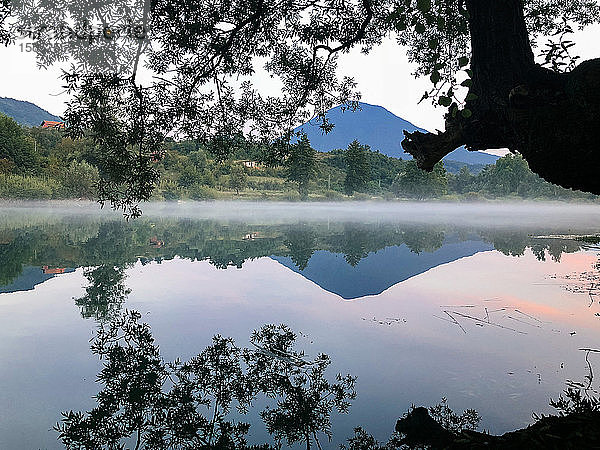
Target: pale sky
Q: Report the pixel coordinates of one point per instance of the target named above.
(384, 78)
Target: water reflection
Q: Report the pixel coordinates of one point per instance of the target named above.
(183, 277)
(147, 402)
(378, 255)
(203, 403)
(105, 293)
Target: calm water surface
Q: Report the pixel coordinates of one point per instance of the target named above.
(487, 305)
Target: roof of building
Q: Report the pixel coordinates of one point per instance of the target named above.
(52, 124)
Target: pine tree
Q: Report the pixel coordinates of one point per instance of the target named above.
(358, 170)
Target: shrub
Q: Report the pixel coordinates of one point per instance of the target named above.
(361, 196)
(190, 175)
(333, 195)
(23, 187)
(79, 180)
(198, 192)
(292, 196)
(169, 190)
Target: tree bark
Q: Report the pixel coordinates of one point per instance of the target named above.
(552, 119)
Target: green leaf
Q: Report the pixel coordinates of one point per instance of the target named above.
(393, 16)
(466, 113)
(435, 77)
(441, 23)
(420, 28)
(463, 61)
(433, 43)
(469, 73)
(467, 83)
(401, 24)
(424, 5)
(471, 96)
(445, 101)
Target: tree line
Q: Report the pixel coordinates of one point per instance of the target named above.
(38, 163)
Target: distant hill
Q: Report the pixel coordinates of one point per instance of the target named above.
(25, 113)
(381, 130)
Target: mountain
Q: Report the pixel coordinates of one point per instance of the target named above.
(25, 113)
(379, 270)
(380, 129)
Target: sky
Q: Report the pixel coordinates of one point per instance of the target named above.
(384, 78)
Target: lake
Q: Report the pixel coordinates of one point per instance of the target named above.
(487, 305)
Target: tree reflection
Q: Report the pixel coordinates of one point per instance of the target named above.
(301, 242)
(105, 293)
(90, 242)
(423, 240)
(575, 426)
(149, 403)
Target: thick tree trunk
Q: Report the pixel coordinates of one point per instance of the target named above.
(552, 119)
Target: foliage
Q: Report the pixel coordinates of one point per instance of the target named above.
(198, 192)
(26, 188)
(111, 112)
(301, 242)
(509, 176)
(169, 190)
(238, 179)
(416, 183)
(575, 401)
(358, 171)
(451, 421)
(79, 180)
(105, 293)
(362, 441)
(441, 413)
(301, 165)
(17, 147)
(190, 175)
(306, 399)
(201, 56)
(155, 404)
(188, 171)
(438, 38)
(91, 242)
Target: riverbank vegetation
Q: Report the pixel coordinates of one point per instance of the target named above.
(38, 163)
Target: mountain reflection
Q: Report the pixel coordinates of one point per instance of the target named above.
(106, 248)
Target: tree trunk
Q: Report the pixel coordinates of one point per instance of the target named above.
(552, 119)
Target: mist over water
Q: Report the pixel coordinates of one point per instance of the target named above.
(497, 214)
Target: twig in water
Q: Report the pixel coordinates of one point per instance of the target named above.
(476, 319)
(455, 321)
(522, 321)
(527, 315)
